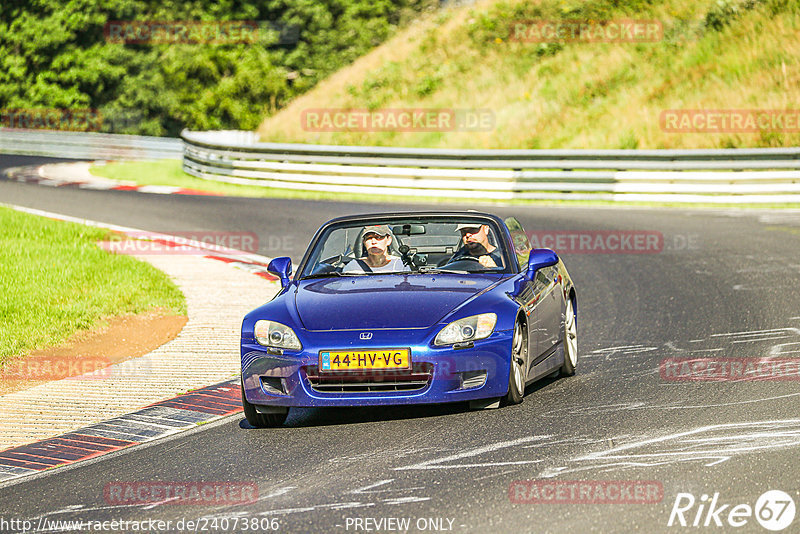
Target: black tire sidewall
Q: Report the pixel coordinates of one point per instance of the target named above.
(260, 420)
(514, 396)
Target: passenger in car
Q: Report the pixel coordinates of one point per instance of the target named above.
(376, 241)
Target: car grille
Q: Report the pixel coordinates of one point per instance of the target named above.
(373, 381)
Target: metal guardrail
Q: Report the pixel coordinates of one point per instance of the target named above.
(87, 145)
(697, 176)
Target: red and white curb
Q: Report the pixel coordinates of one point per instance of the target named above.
(156, 421)
(43, 175)
(39, 174)
(253, 263)
(161, 419)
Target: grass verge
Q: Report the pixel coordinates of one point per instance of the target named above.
(169, 172)
(56, 281)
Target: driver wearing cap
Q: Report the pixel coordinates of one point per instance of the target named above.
(475, 238)
(376, 239)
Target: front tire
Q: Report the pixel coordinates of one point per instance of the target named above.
(516, 373)
(570, 340)
(261, 420)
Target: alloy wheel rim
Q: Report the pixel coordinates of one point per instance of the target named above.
(516, 358)
(572, 334)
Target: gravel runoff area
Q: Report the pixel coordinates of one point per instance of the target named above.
(205, 352)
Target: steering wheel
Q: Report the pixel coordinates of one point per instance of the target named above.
(323, 268)
(467, 261)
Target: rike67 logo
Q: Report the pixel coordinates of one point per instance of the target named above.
(774, 510)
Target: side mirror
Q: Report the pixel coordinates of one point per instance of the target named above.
(282, 268)
(540, 258)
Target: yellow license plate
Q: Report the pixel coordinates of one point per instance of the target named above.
(364, 360)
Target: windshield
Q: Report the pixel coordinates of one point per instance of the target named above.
(421, 245)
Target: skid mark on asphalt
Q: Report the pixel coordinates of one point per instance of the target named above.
(780, 349)
(753, 336)
(385, 486)
(364, 493)
(367, 493)
(764, 343)
(387, 453)
(773, 340)
(276, 493)
(639, 405)
(370, 488)
(622, 350)
(771, 273)
(709, 445)
(84, 509)
(439, 463)
(73, 512)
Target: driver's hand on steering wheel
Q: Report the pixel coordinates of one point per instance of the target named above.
(487, 261)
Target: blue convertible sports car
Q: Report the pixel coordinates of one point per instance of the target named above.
(409, 308)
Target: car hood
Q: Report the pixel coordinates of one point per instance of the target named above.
(391, 301)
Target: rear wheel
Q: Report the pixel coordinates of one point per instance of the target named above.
(570, 341)
(261, 420)
(516, 375)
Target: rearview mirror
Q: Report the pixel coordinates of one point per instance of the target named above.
(540, 258)
(282, 268)
(408, 229)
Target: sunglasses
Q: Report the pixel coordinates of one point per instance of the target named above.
(476, 230)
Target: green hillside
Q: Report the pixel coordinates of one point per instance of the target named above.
(710, 55)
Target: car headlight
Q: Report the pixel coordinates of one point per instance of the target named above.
(467, 329)
(272, 334)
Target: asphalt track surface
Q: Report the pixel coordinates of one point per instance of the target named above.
(724, 285)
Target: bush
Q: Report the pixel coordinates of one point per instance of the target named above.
(56, 55)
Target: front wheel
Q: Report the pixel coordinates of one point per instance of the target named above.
(516, 374)
(261, 420)
(570, 341)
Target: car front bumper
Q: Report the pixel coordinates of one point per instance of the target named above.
(439, 375)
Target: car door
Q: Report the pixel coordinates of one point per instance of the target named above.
(548, 311)
(541, 298)
(529, 292)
